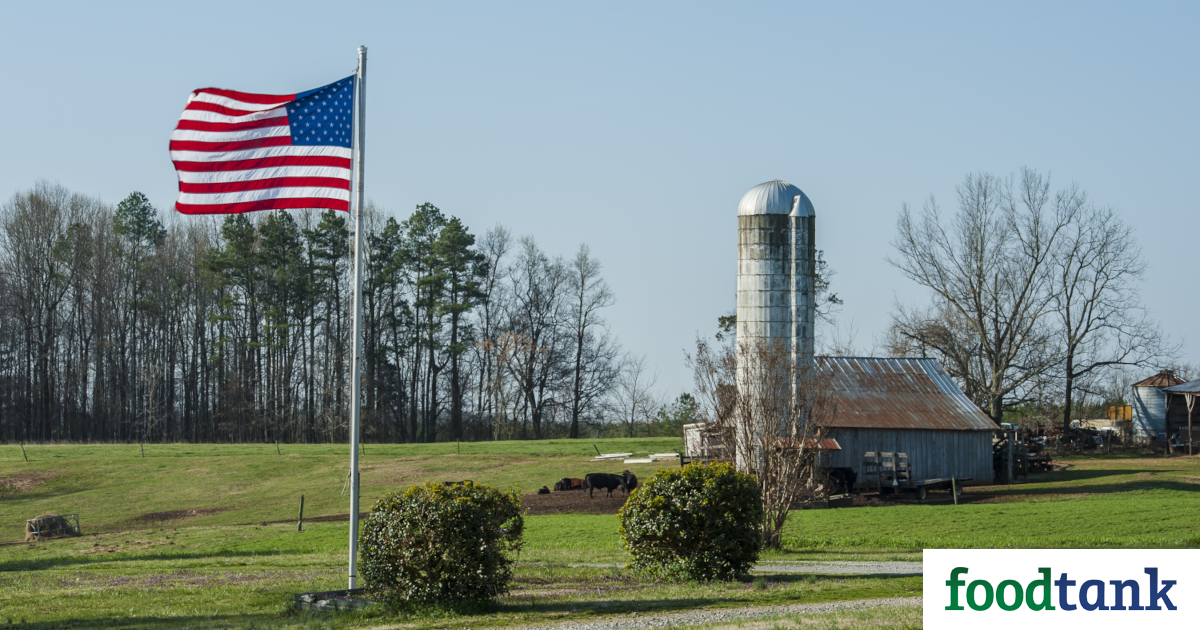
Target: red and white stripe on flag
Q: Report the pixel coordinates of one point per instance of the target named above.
(239, 152)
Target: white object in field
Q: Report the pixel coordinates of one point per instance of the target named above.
(641, 460)
(613, 455)
(664, 455)
(776, 265)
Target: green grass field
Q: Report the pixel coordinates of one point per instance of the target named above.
(146, 561)
(114, 487)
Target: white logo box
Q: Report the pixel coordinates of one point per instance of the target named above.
(1171, 574)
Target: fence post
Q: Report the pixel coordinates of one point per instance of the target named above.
(1011, 438)
(300, 522)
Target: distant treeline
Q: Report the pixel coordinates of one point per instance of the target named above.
(118, 326)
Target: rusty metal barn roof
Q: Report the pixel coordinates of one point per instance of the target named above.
(880, 393)
(823, 444)
(1164, 378)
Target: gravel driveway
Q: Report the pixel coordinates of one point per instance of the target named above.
(891, 569)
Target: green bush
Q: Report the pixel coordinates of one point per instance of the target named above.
(437, 543)
(699, 522)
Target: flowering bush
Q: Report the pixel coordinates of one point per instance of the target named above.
(437, 543)
(698, 522)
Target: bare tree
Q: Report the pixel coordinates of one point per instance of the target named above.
(494, 246)
(595, 351)
(774, 409)
(634, 399)
(1101, 321)
(536, 311)
(944, 333)
(989, 268)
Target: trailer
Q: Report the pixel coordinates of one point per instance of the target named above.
(886, 472)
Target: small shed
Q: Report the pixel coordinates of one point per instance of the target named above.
(704, 441)
(1185, 393)
(1150, 410)
(910, 406)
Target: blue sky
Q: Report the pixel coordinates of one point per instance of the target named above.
(637, 127)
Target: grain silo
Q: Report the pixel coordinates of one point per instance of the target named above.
(776, 260)
(1150, 405)
(776, 263)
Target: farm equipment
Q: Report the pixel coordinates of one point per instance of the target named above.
(1016, 453)
(891, 472)
(52, 526)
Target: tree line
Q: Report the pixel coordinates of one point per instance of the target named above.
(116, 325)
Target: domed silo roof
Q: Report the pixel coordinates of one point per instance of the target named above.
(775, 197)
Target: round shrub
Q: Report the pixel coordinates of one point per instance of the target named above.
(698, 522)
(437, 543)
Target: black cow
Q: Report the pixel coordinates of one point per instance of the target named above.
(605, 481)
(841, 480)
(629, 481)
(543, 490)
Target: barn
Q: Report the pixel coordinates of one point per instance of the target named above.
(908, 406)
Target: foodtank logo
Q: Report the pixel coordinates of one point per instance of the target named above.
(1060, 588)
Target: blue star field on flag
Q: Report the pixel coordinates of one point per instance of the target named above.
(323, 116)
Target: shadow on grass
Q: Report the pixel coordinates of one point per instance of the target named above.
(48, 563)
(1069, 476)
(1101, 488)
(1090, 456)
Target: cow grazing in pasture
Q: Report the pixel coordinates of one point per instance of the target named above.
(601, 481)
(628, 481)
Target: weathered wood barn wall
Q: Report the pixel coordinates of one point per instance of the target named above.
(909, 406)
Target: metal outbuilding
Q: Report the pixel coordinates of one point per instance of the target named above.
(909, 406)
(1150, 409)
(1187, 393)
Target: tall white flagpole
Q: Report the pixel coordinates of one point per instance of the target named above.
(356, 351)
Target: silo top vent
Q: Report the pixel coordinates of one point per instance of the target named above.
(775, 197)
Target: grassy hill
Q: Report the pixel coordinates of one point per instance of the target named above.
(113, 486)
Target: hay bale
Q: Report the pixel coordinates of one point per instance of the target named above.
(48, 526)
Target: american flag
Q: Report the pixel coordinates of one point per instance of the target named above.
(239, 152)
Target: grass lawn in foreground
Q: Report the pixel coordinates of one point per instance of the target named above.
(226, 576)
(226, 569)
